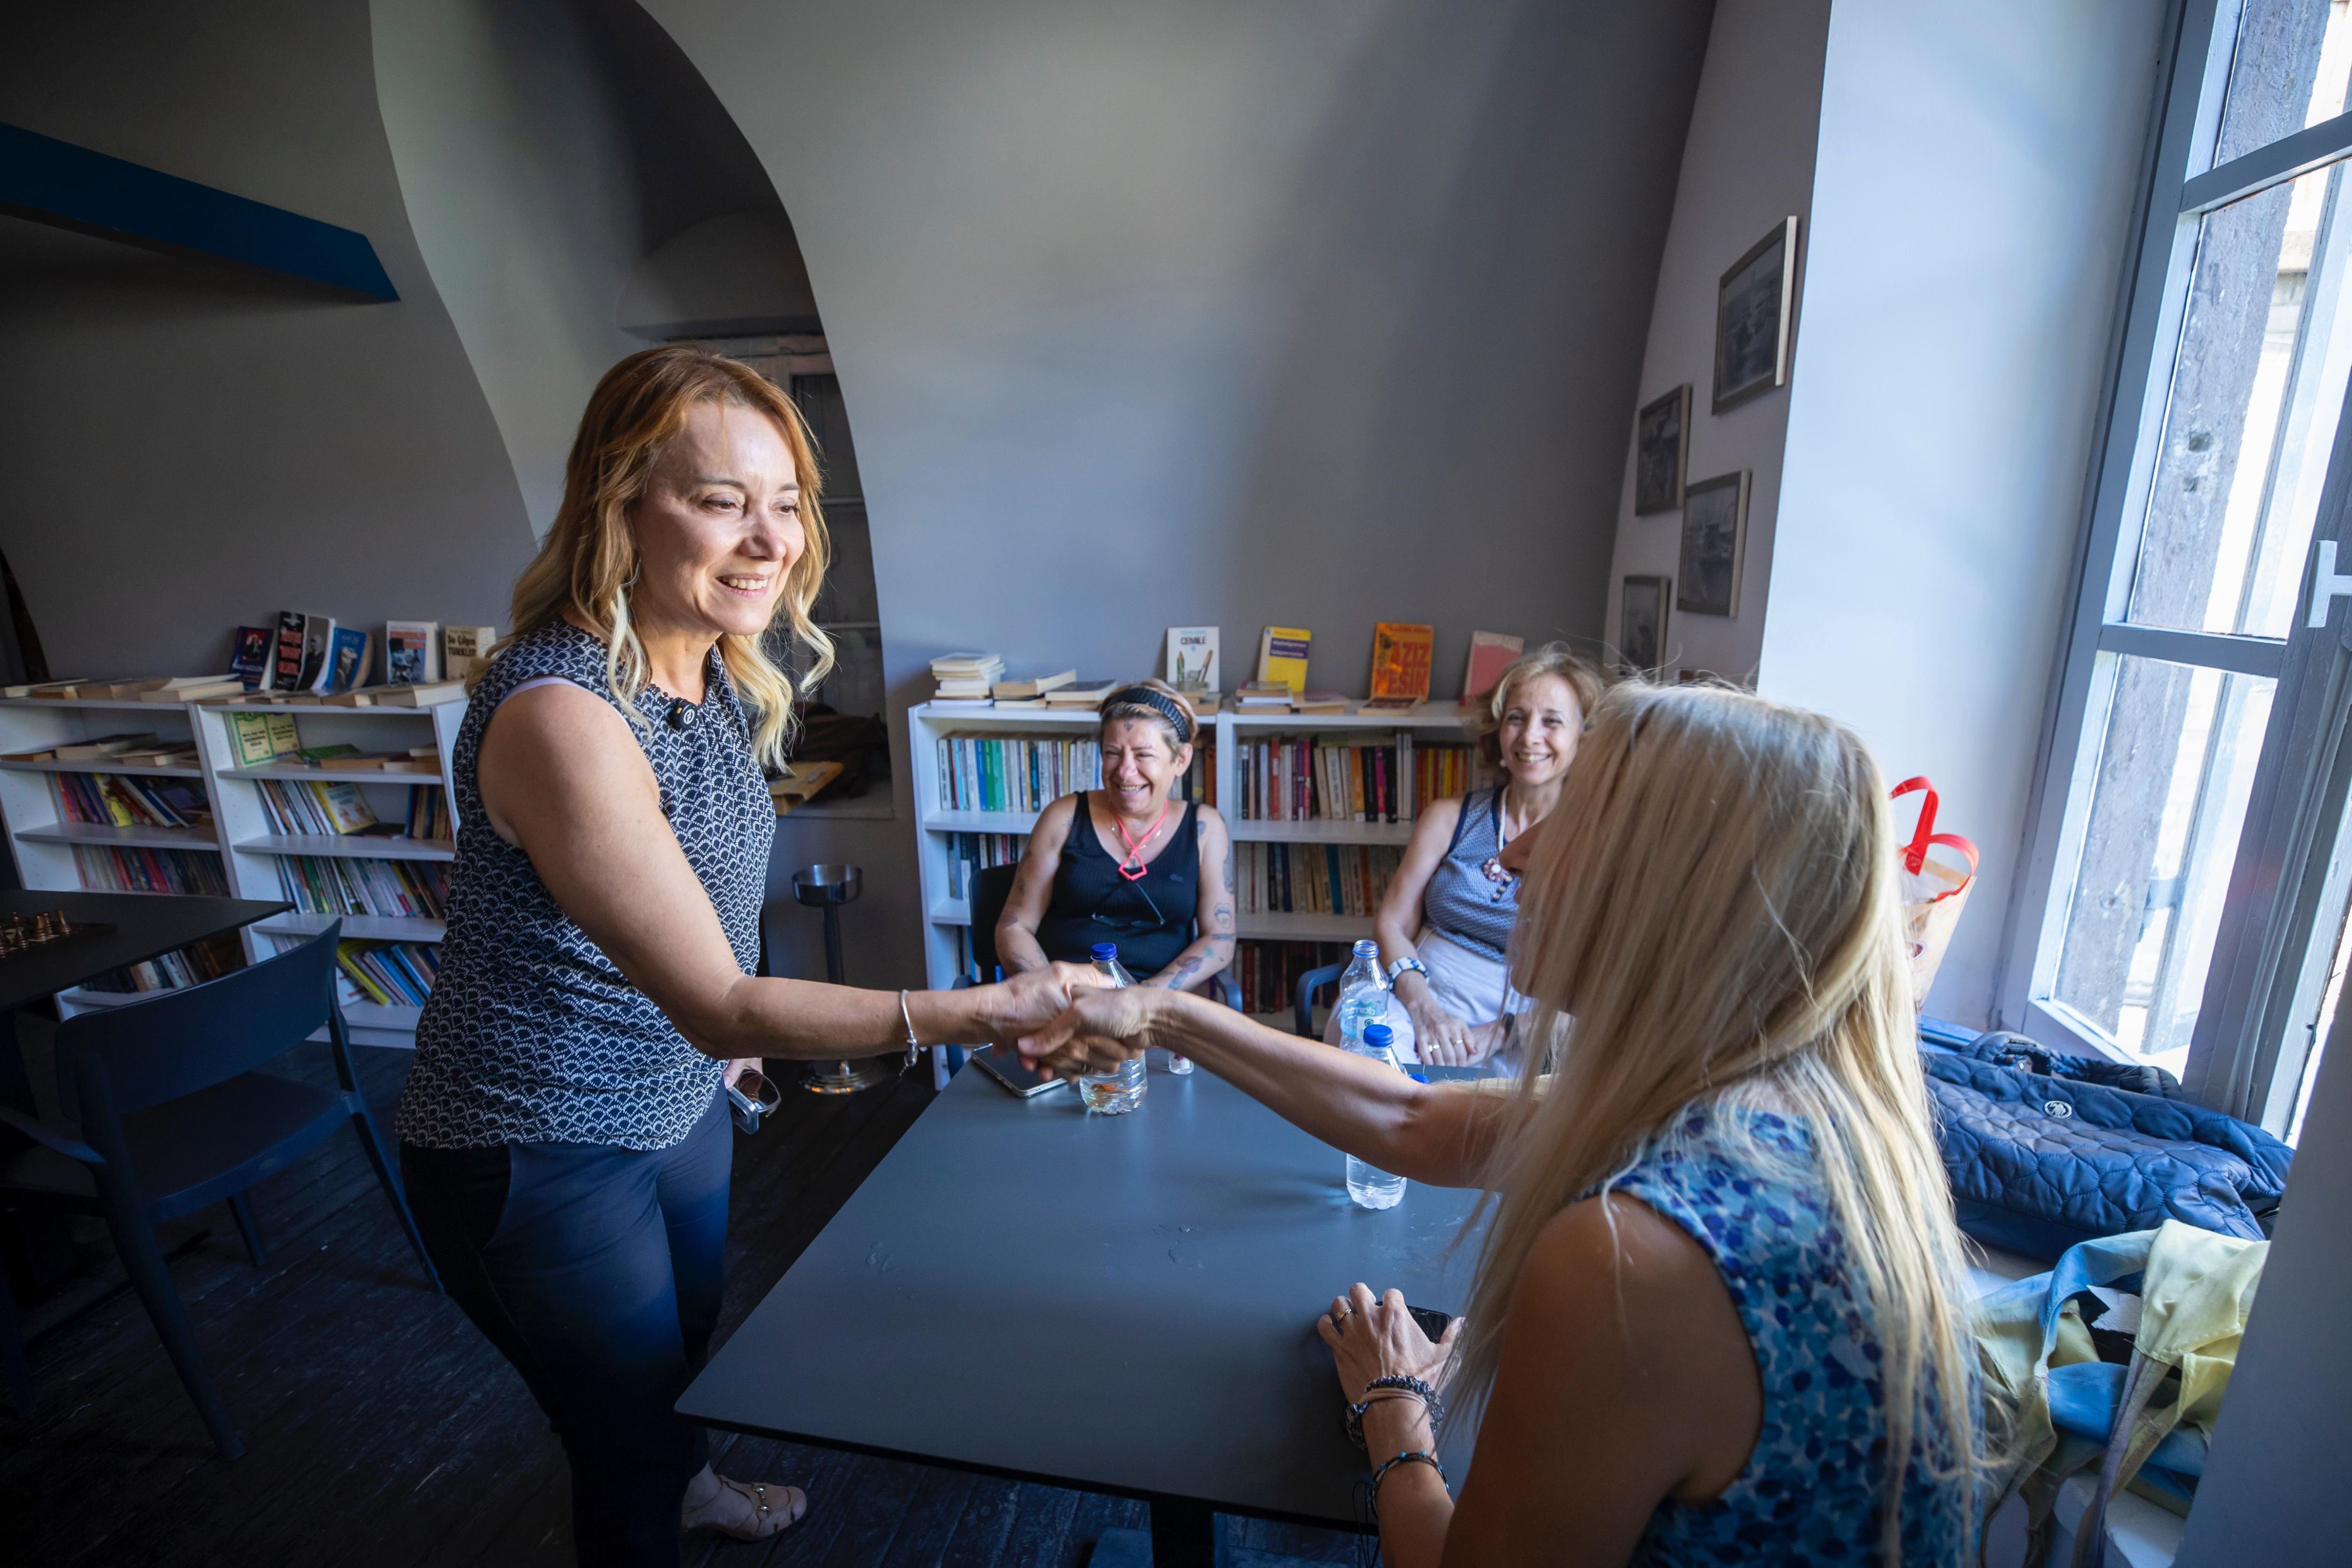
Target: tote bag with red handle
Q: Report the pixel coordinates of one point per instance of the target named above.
(1934, 891)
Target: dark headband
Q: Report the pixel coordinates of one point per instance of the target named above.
(1167, 706)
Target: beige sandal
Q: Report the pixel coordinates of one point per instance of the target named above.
(790, 1509)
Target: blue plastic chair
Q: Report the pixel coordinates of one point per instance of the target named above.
(174, 1119)
(1309, 983)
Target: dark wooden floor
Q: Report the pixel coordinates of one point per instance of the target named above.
(381, 1428)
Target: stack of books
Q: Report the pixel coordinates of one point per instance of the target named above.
(1263, 696)
(966, 677)
(1033, 692)
(1086, 693)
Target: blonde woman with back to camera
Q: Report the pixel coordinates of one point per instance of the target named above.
(1719, 1279)
(1445, 921)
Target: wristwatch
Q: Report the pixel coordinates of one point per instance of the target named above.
(1397, 969)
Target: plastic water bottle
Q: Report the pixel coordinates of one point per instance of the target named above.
(1121, 1089)
(1371, 1186)
(1364, 996)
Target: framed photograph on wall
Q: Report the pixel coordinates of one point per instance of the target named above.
(1662, 453)
(1753, 306)
(1642, 621)
(1714, 539)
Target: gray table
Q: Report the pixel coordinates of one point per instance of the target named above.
(1119, 1303)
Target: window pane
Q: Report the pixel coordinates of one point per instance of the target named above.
(2287, 69)
(2257, 388)
(2175, 763)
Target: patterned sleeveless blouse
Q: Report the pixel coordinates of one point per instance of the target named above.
(1465, 904)
(1813, 1489)
(532, 1035)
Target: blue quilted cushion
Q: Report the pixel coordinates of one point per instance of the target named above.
(2038, 1163)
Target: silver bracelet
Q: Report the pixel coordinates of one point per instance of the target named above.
(913, 1050)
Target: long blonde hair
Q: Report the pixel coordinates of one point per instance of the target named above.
(588, 560)
(1713, 902)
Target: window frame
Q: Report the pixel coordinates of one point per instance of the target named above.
(2305, 772)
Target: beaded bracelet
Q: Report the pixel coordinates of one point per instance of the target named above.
(1412, 1386)
(1410, 1457)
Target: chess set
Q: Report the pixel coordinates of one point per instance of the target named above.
(23, 934)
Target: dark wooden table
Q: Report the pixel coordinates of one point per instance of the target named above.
(1117, 1303)
(146, 926)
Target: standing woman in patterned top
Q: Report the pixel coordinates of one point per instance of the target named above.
(563, 1139)
(1720, 1283)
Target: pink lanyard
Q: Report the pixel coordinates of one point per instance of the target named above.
(1135, 846)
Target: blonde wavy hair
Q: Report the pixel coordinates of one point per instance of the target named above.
(1482, 719)
(589, 558)
(1714, 903)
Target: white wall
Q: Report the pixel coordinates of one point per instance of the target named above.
(513, 162)
(187, 447)
(1152, 313)
(1749, 163)
(1971, 202)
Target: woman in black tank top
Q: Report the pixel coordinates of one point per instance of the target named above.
(1125, 864)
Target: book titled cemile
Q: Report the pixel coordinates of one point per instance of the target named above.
(1491, 653)
(411, 652)
(1282, 656)
(1192, 665)
(1401, 659)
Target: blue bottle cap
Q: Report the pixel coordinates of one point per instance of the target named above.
(1105, 950)
(1378, 1034)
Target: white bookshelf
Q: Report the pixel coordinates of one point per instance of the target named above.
(252, 850)
(947, 915)
(40, 841)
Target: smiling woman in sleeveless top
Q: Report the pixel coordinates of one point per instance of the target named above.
(1445, 922)
(1128, 863)
(563, 1141)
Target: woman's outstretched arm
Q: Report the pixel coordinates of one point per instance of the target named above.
(563, 780)
(1438, 1134)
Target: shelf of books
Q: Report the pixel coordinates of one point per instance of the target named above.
(111, 794)
(1320, 806)
(343, 812)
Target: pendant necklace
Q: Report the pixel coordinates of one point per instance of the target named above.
(1135, 846)
(1493, 865)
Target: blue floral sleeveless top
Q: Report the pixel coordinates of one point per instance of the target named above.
(1813, 1489)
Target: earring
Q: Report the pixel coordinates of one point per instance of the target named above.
(635, 572)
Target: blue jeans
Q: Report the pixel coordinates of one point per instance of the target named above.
(596, 1270)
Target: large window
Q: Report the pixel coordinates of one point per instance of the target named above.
(2191, 868)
